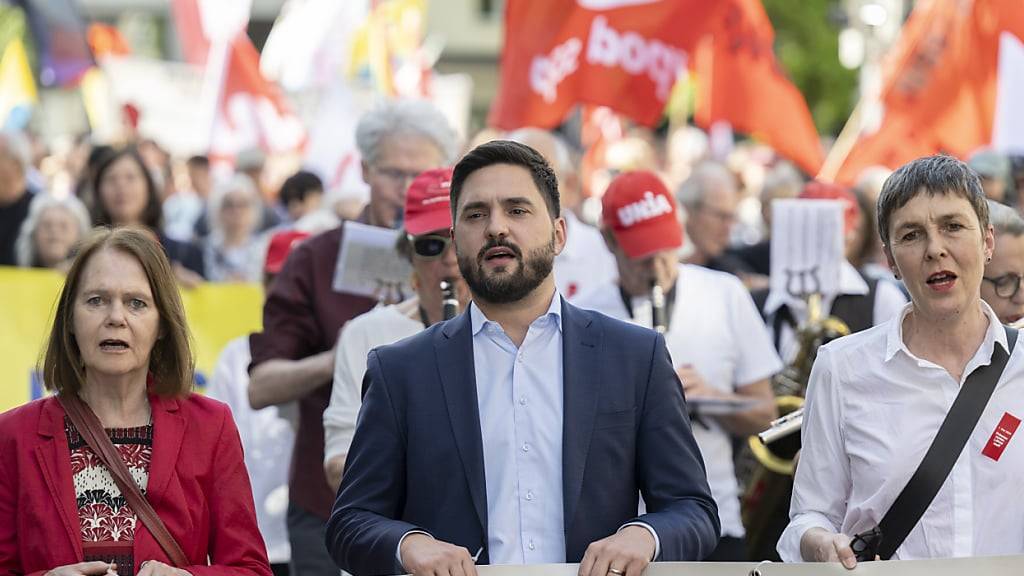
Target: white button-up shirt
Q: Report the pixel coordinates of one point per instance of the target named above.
(519, 393)
(872, 411)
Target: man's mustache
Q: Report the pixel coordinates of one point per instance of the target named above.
(499, 244)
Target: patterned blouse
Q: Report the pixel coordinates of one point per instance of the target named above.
(108, 522)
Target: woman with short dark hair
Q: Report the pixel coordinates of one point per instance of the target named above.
(123, 421)
(877, 399)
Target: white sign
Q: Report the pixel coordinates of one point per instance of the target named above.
(369, 265)
(1008, 123)
(806, 249)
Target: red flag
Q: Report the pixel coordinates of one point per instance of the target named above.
(624, 54)
(740, 82)
(251, 110)
(940, 84)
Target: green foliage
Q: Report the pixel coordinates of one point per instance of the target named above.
(807, 44)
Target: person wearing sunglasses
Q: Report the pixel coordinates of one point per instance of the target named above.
(1000, 287)
(426, 244)
(293, 356)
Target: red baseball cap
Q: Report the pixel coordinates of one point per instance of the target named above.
(280, 247)
(817, 190)
(427, 203)
(641, 214)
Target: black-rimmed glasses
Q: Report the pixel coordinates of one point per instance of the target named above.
(1007, 285)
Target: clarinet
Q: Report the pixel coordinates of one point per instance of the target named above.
(658, 308)
(449, 303)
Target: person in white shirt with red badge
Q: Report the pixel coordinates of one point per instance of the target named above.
(908, 430)
(719, 346)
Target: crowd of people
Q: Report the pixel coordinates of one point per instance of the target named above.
(551, 392)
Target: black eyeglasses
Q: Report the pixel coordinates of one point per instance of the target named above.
(1006, 285)
(429, 246)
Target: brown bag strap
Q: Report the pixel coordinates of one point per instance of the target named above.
(92, 432)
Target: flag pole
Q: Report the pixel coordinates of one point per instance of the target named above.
(841, 148)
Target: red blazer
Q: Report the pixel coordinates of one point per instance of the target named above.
(197, 484)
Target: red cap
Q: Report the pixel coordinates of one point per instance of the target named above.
(427, 203)
(280, 247)
(817, 190)
(641, 214)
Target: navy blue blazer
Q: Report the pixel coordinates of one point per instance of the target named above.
(416, 461)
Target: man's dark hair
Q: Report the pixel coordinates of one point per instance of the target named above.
(300, 185)
(507, 152)
(198, 161)
(932, 175)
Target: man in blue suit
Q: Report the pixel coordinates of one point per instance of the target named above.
(523, 431)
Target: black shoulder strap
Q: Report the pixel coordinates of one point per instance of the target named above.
(949, 442)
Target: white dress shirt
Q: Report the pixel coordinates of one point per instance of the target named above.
(380, 326)
(267, 441)
(519, 395)
(889, 301)
(585, 262)
(716, 328)
(872, 411)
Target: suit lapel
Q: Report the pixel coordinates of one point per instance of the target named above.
(453, 345)
(581, 380)
(168, 430)
(54, 459)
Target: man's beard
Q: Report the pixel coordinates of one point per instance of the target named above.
(508, 287)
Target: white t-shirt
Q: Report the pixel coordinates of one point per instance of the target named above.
(378, 327)
(716, 328)
(872, 411)
(585, 263)
(267, 440)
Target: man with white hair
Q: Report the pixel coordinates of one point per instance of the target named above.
(15, 196)
(710, 198)
(585, 263)
(293, 358)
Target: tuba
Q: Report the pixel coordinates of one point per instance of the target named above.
(768, 461)
(449, 302)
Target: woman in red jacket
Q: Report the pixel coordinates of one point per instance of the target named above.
(120, 345)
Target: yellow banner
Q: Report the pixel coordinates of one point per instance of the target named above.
(216, 314)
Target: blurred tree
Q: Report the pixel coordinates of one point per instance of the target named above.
(807, 44)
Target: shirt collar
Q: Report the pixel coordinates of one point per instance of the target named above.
(993, 334)
(478, 320)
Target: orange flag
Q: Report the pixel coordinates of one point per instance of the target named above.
(939, 92)
(624, 54)
(739, 81)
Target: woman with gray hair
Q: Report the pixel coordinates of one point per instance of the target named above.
(1000, 287)
(48, 236)
(233, 251)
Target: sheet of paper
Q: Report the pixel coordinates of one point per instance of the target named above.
(368, 264)
(721, 406)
